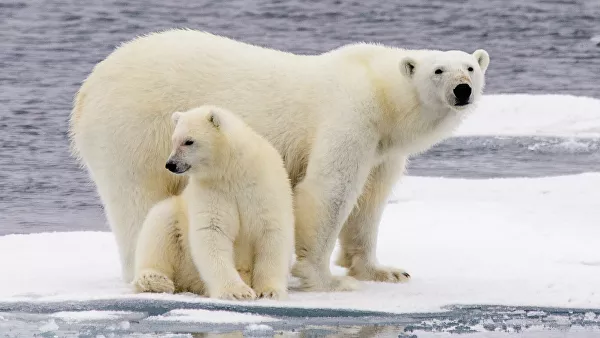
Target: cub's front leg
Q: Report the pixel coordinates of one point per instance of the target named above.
(274, 251)
(214, 226)
(337, 170)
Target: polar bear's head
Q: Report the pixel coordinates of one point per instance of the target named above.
(447, 79)
(198, 141)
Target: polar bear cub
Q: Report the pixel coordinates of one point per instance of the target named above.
(230, 234)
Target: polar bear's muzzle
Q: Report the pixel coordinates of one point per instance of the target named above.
(177, 167)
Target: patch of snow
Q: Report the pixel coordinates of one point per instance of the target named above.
(253, 330)
(526, 114)
(88, 315)
(517, 241)
(589, 317)
(559, 320)
(124, 325)
(213, 317)
(571, 146)
(49, 327)
(536, 314)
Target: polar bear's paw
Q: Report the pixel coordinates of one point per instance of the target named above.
(314, 280)
(235, 291)
(378, 273)
(343, 283)
(271, 292)
(149, 280)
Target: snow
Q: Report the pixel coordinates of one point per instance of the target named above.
(510, 241)
(49, 326)
(258, 330)
(88, 315)
(589, 317)
(124, 325)
(258, 327)
(213, 317)
(540, 115)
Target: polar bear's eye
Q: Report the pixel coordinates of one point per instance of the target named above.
(439, 71)
(470, 69)
(188, 143)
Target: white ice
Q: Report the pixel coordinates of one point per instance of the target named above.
(498, 241)
(89, 315)
(539, 115)
(213, 317)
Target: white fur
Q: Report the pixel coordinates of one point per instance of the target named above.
(231, 230)
(344, 122)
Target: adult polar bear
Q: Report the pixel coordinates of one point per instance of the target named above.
(344, 122)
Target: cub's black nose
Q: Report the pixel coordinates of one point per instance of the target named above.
(462, 93)
(171, 166)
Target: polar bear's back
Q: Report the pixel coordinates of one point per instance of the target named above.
(180, 69)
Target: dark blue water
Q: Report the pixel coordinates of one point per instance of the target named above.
(48, 47)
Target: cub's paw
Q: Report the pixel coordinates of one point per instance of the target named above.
(236, 291)
(271, 292)
(379, 273)
(149, 280)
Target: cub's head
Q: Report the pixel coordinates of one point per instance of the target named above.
(447, 79)
(197, 140)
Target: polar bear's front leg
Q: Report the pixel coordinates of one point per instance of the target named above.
(358, 237)
(212, 234)
(337, 170)
(274, 249)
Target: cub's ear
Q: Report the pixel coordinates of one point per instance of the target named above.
(214, 118)
(407, 66)
(483, 58)
(175, 117)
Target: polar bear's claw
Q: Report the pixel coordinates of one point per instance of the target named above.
(272, 293)
(379, 274)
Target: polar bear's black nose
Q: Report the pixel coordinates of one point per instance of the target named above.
(171, 166)
(462, 93)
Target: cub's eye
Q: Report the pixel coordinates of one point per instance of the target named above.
(439, 71)
(470, 69)
(188, 143)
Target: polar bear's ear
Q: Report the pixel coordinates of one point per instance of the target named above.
(213, 117)
(483, 58)
(407, 66)
(175, 117)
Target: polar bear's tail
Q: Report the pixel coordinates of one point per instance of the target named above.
(73, 119)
